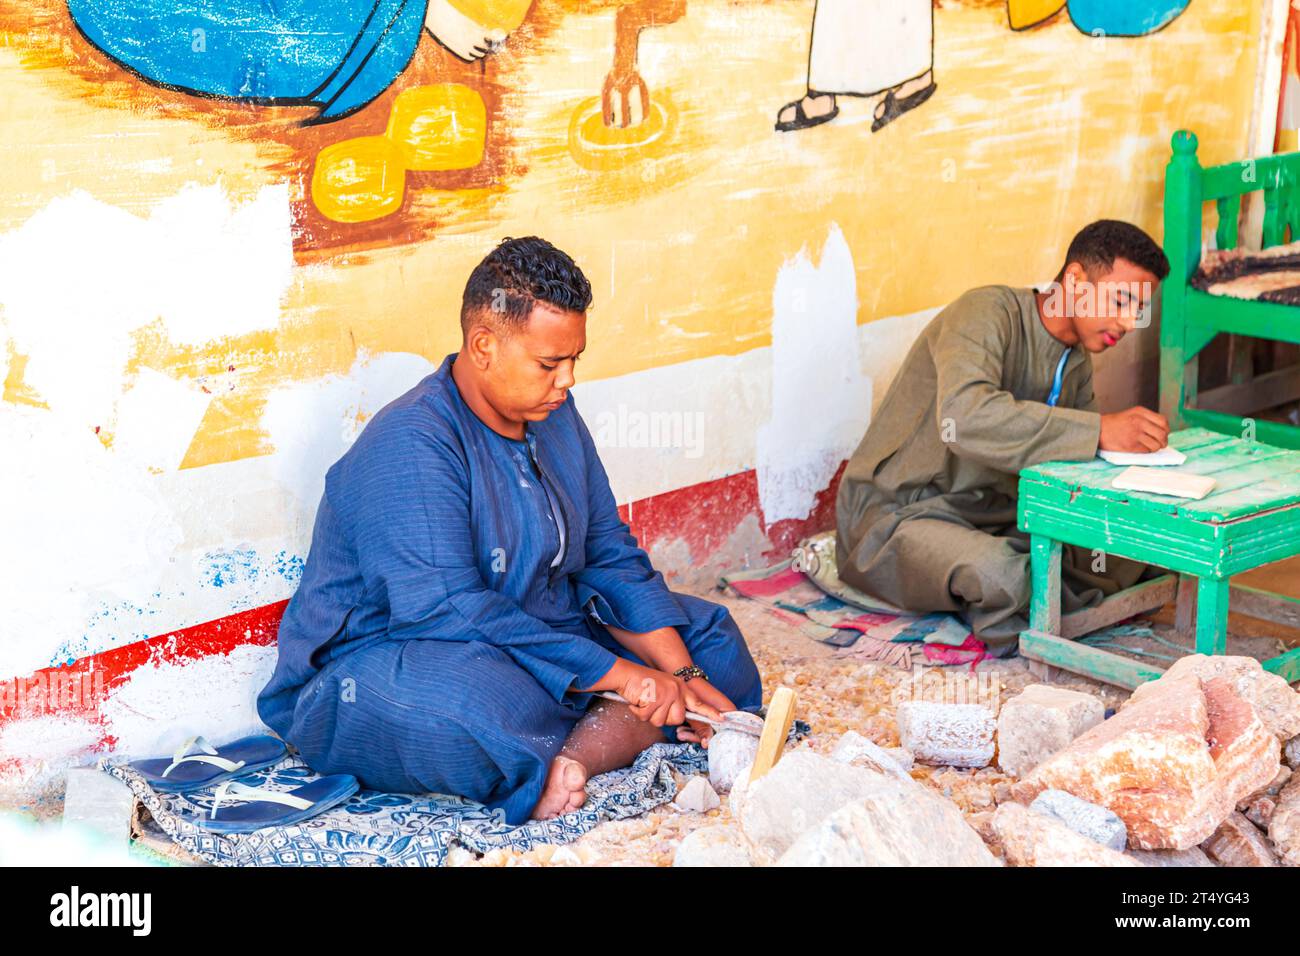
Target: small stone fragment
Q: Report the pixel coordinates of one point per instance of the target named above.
(713, 846)
(1041, 721)
(1260, 811)
(1033, 839)
(947, 735)
(1084, 818)
(1259, 806)
(697, 796)
(1237, 842)
(730, 752)
(982, 823)
(1284, 827)
(857, 750)
(1193, 857)
(565, 856)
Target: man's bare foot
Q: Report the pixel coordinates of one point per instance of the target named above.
(565, 790)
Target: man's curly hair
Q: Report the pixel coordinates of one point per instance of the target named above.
(1098, 245)
(515, 276)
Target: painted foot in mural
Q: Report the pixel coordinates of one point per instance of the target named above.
(903, 99)
(813, 110)
(565, 790)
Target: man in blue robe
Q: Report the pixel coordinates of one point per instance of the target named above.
(470, 583)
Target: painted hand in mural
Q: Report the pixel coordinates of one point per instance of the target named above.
(616, 98)
(473, 34)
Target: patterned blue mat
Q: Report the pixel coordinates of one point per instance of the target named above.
(395, 829)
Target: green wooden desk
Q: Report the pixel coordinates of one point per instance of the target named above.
(1251, 518)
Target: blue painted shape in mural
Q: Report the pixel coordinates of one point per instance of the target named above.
(1124, 18)
(335, 54)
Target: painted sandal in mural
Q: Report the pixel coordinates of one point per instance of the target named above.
(187, 771)
(894, 107)
(255, 808)
(801, 119)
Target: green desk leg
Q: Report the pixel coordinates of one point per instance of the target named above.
(1211, 616)
(1045, 565)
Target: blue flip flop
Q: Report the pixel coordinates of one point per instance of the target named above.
(259, 808)
(192, 771)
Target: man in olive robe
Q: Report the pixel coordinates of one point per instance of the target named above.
(999, 381)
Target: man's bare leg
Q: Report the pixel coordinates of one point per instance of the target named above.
(607, 737)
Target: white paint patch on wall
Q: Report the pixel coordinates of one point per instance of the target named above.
(106, 534)
(678, 425)
(820, 397)
(120, 546)
(163, 704)
(311, 424)
(87, 528)
(156, 421)
(80, 276)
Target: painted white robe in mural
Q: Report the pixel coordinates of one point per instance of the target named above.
(866, 46)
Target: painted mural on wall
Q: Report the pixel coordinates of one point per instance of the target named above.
(335, 60)
(1116, 18)
(219, 261)
(862, 48)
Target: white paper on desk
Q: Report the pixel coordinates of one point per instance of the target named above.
(1177, 484)
(1152, 459)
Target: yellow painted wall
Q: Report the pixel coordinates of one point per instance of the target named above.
(1029, 135)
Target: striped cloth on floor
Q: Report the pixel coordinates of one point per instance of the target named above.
(806, 591)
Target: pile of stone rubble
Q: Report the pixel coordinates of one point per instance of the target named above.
(1195, 769)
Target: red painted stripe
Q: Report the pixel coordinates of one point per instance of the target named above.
(100, 673)
(706, 515)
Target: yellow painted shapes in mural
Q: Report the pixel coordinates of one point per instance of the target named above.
(439, 127)
(1026, 13)
(359, 179)
(503, 15)
(442, 126)
(597, 146)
